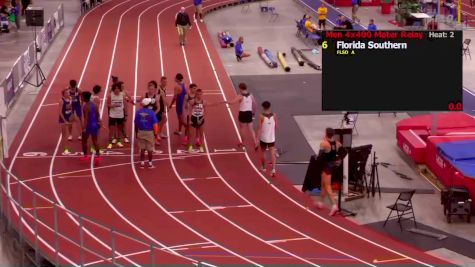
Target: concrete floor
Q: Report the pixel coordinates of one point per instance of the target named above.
(278, 35)
(379, 131)
(12, 45)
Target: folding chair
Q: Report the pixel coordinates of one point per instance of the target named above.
(466, 48)
(402, 207)
(264, 7)
(299, 28)
(246, 6)
(349, 121)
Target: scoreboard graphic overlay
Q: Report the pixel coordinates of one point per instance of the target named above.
(392, 71)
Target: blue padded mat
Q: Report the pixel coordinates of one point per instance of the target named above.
(458, 150)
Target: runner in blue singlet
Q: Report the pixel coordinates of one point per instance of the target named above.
(75, 94)
(179, 98)
(91, 125)
(65, 114)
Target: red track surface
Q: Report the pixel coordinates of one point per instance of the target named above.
(469, 12)
(212, 207)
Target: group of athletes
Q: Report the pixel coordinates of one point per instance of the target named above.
(81, 110)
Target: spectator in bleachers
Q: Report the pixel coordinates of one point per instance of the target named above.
(372, 26)
(240, 50)
(322, 16)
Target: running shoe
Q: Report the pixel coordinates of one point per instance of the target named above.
(197, 142)
(109, 146)
(177, 132)
(93, 150)
(320, 205)
(263, 168)
(184, 141)
(126, 140)
(66, 152)
(84, 158)
(334, 210)
(272, 173)
(190, 148)
(201, 20)
(142, 165)
(79, 138)
(119, 144)
(163, 135)
(150, 165)
(202, 149)
(97, 159)
(114, 141)
(70, 138)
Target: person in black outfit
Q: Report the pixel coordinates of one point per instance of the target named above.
(24, 6)
(328, 154)
(183, 24)
(345, 24)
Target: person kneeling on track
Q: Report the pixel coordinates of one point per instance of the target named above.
(146, 129)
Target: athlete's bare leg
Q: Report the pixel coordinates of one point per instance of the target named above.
(252, 132)
(273, 159)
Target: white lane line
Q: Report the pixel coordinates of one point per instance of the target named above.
(40, 208)
(55, 153)
(84, 170)
(230, 207)
(256, 170)
(206, 205)
(99, 189)
(292, 200)
(168, 132)
(189, 245)
(73, 40)
(50, 105)
(204, 178)
(287, 240)
(75, 176)
(109, 260)
(186, 211)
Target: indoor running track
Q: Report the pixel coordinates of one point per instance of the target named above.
(213, 207)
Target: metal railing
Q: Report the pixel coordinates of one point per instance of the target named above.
(71, 238)
(11, 86)
(61, 236)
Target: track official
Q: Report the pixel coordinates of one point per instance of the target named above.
(146, 128)
(183, 25)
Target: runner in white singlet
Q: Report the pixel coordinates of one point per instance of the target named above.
(117, 112)
(197, 111)
(247, 109)
(266, 135)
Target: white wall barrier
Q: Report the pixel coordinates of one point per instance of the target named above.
(12, 86)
